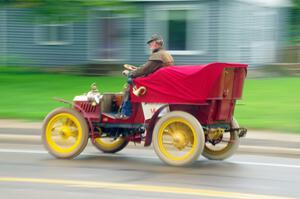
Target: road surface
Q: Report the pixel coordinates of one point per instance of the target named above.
(28, 171)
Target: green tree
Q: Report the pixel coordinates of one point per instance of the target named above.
(297, 4)
(65, 10)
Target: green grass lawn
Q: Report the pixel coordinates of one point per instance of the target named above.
(272, 103)
(267, 103)
(30, 96)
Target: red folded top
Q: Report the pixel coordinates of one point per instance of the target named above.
(181, 84)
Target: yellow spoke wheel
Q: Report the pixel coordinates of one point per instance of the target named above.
(224, 149)
(178, 138)
(110, 145)
(65, 133)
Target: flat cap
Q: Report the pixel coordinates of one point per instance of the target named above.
(155, 37)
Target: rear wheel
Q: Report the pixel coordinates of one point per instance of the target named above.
(226, 147)
(110, 145)
(178, 138)
(65, 133)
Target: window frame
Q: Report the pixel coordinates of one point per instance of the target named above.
(40, 38)
(97, 13)
(191, 9)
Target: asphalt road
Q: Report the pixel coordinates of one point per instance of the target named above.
(28, 171)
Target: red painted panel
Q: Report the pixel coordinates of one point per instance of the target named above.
(89, 111)
(239, 83)
(228, 74)
(224, 110)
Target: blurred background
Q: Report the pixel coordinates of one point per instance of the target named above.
(59, 47)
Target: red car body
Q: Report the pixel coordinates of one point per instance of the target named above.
(216, 108)
(203, 95)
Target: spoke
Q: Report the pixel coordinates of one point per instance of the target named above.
(171, 128)
(180, 126)
(65, 142)
(74, 134)
(187, 133)
(168, 142)
(55, 132)
(63, 120)
(186, 129)
(74, 131)
(168, 135)
(190, 145)
(69, 122)
(167, 132)
(57, 124)
(66, 120)
(176, 125)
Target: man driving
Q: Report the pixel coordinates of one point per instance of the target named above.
(158, 59)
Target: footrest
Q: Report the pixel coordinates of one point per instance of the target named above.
(115, 115)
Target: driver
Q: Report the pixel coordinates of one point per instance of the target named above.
(158, 59)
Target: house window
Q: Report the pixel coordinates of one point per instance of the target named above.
(54, 34)
(177, 27)
(108, 36)
(184, 28)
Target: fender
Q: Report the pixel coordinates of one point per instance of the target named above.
(151, 125)
(93, 135)
(63, 101)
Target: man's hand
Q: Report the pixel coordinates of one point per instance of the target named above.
(130, 67)
(125, 72)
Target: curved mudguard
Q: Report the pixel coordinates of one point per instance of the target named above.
(151, 125)
(89, 122)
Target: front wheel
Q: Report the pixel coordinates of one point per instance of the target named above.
(229, 143)
(65, 133)
(178, 138)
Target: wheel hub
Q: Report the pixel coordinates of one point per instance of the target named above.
(215, 135)
(180, 140)
(65, 132)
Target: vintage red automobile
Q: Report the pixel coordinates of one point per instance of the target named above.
(184, 111)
